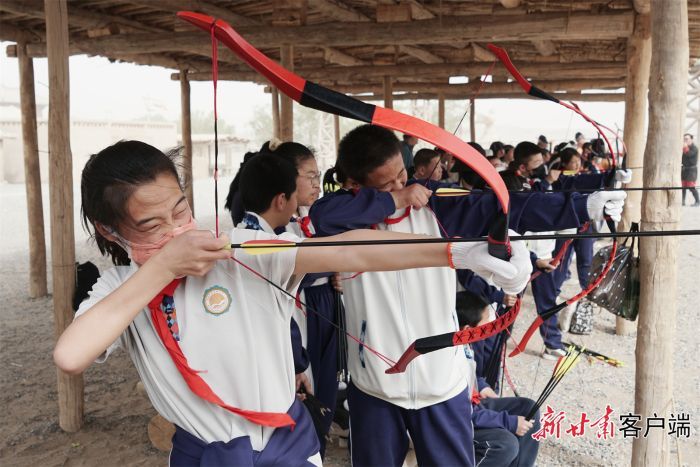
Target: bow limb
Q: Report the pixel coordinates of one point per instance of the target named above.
(441, 341)
(534, 91)
(321, 98)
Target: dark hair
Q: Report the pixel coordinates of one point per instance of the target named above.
(265, 177)
(689, 135)
(496, 146)
(296, 153)
(577, 135)
(508, 147)
(110, 177)
(523, 152)
(333, 179)
(560, 146)
(424, 156)
(587, 145)
(470, 308)
(598, 147)
(365, 148)
(468, 174)
(513, 181)
(567, 154)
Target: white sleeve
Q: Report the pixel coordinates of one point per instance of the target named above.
(277, 267)
(108, 282)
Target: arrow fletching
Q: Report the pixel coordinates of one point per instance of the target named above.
(448, 192)
(263, 247)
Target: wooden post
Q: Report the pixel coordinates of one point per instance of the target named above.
(275, 113)
(70, 388)
(32, 176)
(660, 211)
(441, 110)
(636, 88)
(286, 107)
(336, 133)
(186, 129)
(472, 120)
(388, 93)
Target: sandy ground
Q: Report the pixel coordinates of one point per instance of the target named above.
(116, 415)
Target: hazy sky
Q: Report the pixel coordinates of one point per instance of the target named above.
(117, 91)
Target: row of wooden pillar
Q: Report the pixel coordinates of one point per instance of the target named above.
(657, 210)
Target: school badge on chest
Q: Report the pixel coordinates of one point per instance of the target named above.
(216, 300)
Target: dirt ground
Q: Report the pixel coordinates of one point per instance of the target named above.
(116, 414)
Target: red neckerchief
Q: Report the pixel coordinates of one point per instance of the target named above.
(305, 225)
(192, 378)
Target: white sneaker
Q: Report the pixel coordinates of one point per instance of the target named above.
(553, 354)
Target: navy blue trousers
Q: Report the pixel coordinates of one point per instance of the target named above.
(498, 447)
(285, 447)
(584, 257)
(322, 348)
(545, 291)
(442, 434)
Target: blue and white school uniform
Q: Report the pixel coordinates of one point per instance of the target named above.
(234, 328)
(319, 331)
(389, 310)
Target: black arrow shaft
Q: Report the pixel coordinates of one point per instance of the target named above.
(651, 233)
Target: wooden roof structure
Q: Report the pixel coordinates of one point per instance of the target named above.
(352, 45)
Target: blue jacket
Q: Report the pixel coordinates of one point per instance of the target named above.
(466, 216)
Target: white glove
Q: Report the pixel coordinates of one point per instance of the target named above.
(602, 203)
(512, 276)
(623, 175)
(520, 258)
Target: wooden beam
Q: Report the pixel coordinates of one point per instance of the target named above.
(510, 3)
(481, 54)
(201, 6)
(275, 113)
(588, 97)
(643, 7)
(472, 119)
(441, 110)
(77, 16)
(655, 348)
(186, 130)
(32, 177)
(544, 47)
(388, 93)
(472, 87)
(419, 11)
(236, 20)
(421, 54)
(393, 13)
(333, 55)
(286, 107)
(538, 71)
(70, 388)
(338, 11)
(636, 89)
(556, 26)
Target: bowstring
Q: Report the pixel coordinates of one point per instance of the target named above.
(215, 76)
(259, 275)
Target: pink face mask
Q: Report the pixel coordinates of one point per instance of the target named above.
(142, 252)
